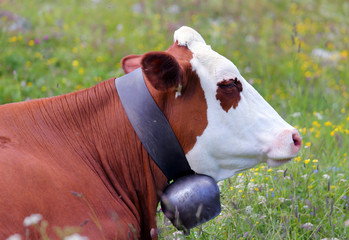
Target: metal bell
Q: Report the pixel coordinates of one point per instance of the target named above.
(191, 200)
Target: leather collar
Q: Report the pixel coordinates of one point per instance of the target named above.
(151, 125)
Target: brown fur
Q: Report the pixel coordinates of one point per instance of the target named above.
(83, 142)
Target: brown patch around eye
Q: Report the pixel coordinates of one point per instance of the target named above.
(228, 93)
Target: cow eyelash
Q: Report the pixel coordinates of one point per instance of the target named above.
(228, 83)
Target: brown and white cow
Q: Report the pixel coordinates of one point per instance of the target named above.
(83, 143)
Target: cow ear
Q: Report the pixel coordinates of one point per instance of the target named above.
(162, 70)
(131, 63)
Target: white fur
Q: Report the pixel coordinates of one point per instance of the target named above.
(242, 137)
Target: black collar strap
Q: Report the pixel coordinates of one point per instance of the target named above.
(151, 125)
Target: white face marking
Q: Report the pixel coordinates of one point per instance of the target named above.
(239, 139)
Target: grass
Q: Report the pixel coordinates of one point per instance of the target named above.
(50, 48)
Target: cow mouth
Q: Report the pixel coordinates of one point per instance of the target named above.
(277, 162)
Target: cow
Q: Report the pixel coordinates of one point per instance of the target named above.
(76, 160)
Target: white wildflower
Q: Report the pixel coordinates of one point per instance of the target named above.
(174, 9)
(288, 177)
(325, 57)
(261, 199)
(304, 176)
(251, 186)
(177, 235)
(137, 8)
(249, 209)
(296, 114)
(319, 116)
(14, 237)
(119, 27)
(342, 180)
(220, 184)
(32, 219)
(282, 199)
(280, 171)
(340, 175)
(307, 226)
(305, 206)
(329, 239)
(76, 236)
(326, 176)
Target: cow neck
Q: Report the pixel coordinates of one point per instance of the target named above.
(91, 125)
(151, 125)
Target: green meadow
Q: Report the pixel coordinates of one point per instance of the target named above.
(295, 53)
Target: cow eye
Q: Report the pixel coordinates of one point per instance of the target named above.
(230, 84)
(226, 83)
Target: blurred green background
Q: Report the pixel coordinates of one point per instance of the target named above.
(295, 53)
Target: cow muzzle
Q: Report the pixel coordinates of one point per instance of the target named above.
(191, 200)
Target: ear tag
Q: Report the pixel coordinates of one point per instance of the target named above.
(178, 91)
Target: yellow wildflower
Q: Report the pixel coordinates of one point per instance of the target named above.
(39, 55)
(315, 161)
(75, 63)
(81, 71)
(13, 39)
(306, 161)
(31, 43)
(308, 74)
(328, 123)
(316, 124)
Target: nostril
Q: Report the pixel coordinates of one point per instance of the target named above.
(297, 140)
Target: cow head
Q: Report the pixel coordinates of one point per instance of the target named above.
(221, 121)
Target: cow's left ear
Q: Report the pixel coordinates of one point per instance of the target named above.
(131, 63)
(162, 70)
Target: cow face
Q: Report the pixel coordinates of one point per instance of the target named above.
(237, 129)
